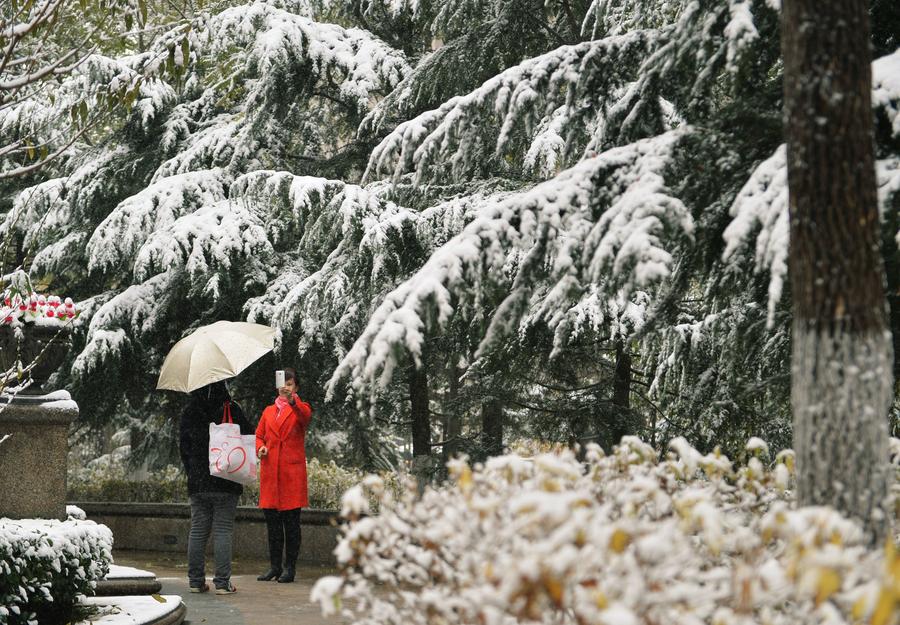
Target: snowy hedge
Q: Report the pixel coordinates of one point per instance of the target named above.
(46, 565)
(624, 539)
(110, 478)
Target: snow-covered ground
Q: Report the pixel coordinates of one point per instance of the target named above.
(131, 610)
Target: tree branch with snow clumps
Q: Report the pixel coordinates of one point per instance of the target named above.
(115, 242)
(762, 203)
(272, 39)
(493, 118)
(886, 88)
(550, 225)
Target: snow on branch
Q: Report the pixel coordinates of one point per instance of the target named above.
(218, 142)
(522, 234)
(122, 321)
(760, 218)
(295, 204)
(116, 241)
(347, 238)
(274, 40)
(48, 119)
(44, 203)
(212, 239)
(342, 248)
(255, 68)
(615, 17)
(454, 137)
(886, 88)
(763, 203)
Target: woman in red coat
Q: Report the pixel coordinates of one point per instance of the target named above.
(280, 438)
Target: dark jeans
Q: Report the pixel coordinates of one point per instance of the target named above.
(283, 528)
(211, 513)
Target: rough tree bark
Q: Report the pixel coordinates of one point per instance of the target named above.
(421, 424)
(452, 423)
(492, 427)
(622, 394)
(841, 363)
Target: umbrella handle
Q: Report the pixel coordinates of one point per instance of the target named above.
(226, 413)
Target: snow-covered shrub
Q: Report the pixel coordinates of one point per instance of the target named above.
(622, 539)
(109, 478)
(328, 482)
(46, 565)
(114, 481)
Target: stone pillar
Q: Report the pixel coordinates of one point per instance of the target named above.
(33, 457)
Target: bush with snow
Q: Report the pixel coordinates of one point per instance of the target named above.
(621, 539)
(47, 565)
(110, 478)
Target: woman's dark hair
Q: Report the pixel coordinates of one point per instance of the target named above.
(291, 374)
(212, 395)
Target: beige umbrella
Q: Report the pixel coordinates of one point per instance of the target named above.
(212, 353)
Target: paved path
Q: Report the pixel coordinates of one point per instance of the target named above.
(255, 603)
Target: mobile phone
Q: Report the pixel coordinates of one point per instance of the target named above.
(279, 379)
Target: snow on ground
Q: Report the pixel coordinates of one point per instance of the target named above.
(130, 610)
(127, 572)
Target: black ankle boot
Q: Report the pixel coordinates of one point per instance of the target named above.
(287, 577)
(269, 575)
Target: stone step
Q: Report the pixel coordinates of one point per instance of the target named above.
(127, 580)
(136, 610)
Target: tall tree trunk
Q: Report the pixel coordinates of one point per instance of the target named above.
(452, 421)
(622, 394)
(492, 427)
(841, 364)
(421, 425)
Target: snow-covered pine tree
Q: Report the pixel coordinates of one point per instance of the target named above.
(541, 220)
(711, 329)
(158, 228)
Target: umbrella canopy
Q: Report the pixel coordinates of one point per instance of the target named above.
(212, 353)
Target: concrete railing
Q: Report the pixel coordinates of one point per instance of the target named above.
(165, 527)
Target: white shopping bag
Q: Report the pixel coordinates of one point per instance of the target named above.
(232, 456)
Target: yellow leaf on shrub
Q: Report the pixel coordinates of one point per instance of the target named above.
(600, 600)
(554, 589)
(859, 609)
(884, 607)
(619, 540)
(465, 478)
(828, 584)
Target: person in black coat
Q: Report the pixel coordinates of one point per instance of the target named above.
(213, 500)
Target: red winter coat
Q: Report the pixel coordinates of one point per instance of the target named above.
(282, 472)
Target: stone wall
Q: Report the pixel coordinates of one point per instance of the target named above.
(165, 527)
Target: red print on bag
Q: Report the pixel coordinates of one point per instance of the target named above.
(229, 463)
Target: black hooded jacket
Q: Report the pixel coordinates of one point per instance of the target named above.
(206, 406)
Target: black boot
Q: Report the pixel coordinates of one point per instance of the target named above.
(269, 575)
(288, 576)
(275, 535)
(291, 520)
